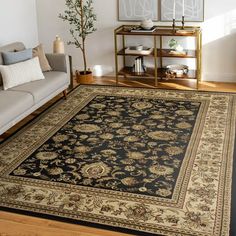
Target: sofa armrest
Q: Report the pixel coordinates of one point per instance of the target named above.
(59, 62)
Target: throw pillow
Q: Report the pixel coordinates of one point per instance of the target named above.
(15, 57)
(39, 52)
(21, 73)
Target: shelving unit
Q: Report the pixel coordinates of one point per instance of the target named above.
(158, 73)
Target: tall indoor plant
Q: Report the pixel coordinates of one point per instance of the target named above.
(79, 14)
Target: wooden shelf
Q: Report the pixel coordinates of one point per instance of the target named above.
(160, 31)
(150, 73)
(160, 53)
(122, 53)
(127, 72)
(166, 53)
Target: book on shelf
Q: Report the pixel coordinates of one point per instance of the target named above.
(135, 50)
(139, 29)
(139, 66)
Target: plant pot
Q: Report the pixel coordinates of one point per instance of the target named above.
(82, 78)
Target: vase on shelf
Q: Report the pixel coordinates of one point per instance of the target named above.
(147, 24)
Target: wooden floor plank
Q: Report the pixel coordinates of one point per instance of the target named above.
(18, 225)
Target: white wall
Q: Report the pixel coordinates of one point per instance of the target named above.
(100, 44)
(219, 41)
(18, 22)
(219, 36)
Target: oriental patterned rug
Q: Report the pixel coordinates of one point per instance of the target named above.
(153, 161)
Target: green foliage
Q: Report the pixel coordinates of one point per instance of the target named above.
(173, 43)
(79, 14)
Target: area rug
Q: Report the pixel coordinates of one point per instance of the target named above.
(153, 161)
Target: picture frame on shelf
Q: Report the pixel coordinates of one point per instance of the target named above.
(193, 10)
(137, 10)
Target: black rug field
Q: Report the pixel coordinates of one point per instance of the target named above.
(146, 161)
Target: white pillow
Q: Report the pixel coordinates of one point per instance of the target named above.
(20, 73)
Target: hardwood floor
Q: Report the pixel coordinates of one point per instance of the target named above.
(21, 225)
(185, 85)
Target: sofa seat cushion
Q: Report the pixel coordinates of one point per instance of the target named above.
(42, 88)
(13, 104)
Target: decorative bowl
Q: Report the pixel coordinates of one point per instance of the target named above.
(177, 69)
(139, 47)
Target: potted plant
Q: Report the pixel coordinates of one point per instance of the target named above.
(79, 14)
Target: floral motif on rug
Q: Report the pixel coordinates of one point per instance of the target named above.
(154, 161)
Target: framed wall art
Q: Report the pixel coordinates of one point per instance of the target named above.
(193, 10)
(137, 10)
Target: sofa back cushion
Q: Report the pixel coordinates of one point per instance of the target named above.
(13, 47)
(39, 52)
(15, 57)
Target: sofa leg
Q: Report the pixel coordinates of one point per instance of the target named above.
(65, 94)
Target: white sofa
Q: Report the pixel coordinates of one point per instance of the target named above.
(20, 101)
